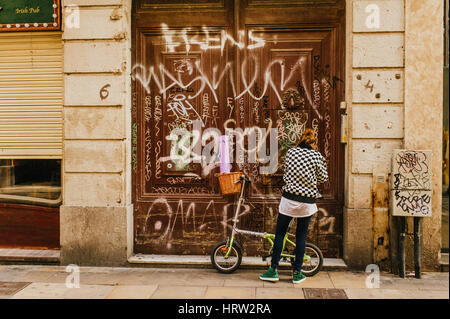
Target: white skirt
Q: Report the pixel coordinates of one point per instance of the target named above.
(296, 209)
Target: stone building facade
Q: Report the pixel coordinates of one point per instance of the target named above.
(392, 99)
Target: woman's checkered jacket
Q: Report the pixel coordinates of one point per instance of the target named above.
(303, 169)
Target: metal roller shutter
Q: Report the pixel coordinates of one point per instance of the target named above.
(31, 95)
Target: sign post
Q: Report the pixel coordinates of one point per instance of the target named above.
(411, 196)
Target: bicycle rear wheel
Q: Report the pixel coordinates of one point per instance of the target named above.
(224, 264)
(312, 261)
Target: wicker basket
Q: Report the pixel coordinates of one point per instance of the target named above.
(228, 183)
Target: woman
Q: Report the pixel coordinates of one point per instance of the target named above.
(304, 167)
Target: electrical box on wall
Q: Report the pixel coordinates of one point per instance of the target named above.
(411, 183)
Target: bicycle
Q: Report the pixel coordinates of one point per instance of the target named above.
(226, 256)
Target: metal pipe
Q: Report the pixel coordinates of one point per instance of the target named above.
(417, 247)
(401, 247)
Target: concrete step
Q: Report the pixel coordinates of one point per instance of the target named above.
(205, 261)
(29, 256)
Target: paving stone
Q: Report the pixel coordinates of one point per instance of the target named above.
(359, 293)
(35, 276)
(279, 293)
(61, 291)
(230, 293)
(132, 292)
(348, 279)
(179, 292)
(12, 273)
(243, 279)
(42, 291)
(58, 277)
(97, 278)
(88, 292)
(320, 280)
(390, 281)
(8, 289)
(187, 277)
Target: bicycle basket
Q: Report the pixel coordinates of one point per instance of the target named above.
(227, 182)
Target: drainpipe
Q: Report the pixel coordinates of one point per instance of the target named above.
(417, 247)
(401, 247)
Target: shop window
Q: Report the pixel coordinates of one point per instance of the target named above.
(31, 181)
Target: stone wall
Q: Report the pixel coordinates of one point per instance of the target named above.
(385, 107)
(423, 107)
(96, 216)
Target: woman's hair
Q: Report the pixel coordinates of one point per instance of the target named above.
(308, 137)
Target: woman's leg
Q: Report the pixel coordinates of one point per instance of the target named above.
(282, 226)
(301, 233)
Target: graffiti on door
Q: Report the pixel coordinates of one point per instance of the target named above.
(193, 90)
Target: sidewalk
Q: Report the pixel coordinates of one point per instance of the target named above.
(25, 282)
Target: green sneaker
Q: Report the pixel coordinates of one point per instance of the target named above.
(298, 277)
(270, 275)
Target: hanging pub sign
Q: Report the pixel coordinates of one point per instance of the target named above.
(30, 15)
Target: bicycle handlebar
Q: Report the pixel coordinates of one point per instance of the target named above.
(244, 178)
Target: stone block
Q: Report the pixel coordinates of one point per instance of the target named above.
(93, 156)
(377, 121)
(358, 239)
(360, 192)
(378, 15)
(378, 50)
(94, 56)
(368, 154)
(92, 23)
(87, 189)
(93, 123)
(90, 90)
(93, 236)
(378, 86)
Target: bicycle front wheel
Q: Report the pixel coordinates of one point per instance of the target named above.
(226, 264)
(312, 261)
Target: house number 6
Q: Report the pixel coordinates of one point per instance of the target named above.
(104, 93)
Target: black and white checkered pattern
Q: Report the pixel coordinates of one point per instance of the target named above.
(303, 169)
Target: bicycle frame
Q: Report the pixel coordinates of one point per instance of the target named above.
(268, 236)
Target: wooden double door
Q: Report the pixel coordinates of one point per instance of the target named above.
(254, 70)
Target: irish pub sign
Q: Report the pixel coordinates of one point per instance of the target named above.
(30, 15)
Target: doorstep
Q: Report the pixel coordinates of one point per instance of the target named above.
(205, 261)
(29, 256)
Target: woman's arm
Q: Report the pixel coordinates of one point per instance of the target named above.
(321, 171)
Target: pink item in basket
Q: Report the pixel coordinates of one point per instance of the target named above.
(224, 154)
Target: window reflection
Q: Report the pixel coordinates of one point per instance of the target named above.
(31, 181)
